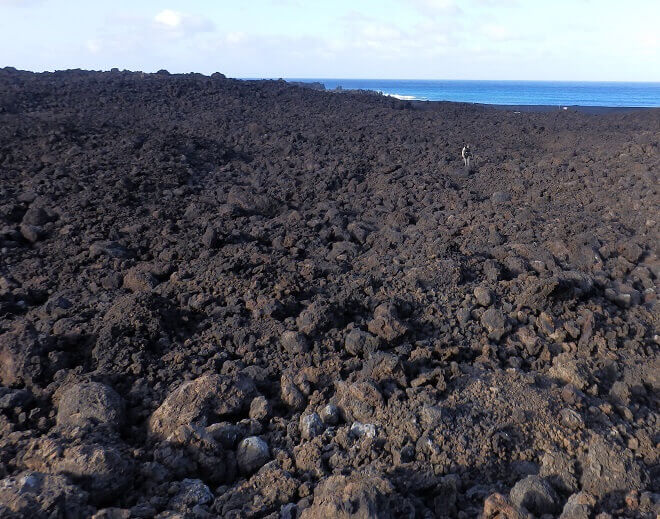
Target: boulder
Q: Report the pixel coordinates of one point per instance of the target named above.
(90, 402)
(343, 250)
(330, 414)
(363, 430)
(37, 216)
(139, 279)
(578, 506)
(259, 408)
(101, 470)
(10, 398)
(386, 323)
(192, 492)
(571, 418)
(307, 456)
(315, 318)
(497, 506)
(251, 202)
(630, 250)
(310, 426)
(352, 497)
(539, 293)
(483, 296)
(210, 238)
(259, 496)
(560, 471)
(384, 368)
(252, 454)
(37, 495)
(31, 233)
(201, 400)
(294, 343)
(22, 354)
(570, 370)
(623, 295)
(360, 343)
(264, 307)
(290, 394)
(192, 449)
(495, 323)
(359, 401)
(536, 495)
(608, 469)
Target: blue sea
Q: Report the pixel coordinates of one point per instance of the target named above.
(553, 93)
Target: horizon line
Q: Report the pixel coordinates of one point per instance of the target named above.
(267, 78)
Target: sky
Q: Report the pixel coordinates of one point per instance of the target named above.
(581, 40)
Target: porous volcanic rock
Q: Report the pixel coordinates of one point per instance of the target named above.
(90, 402)
(199, 401)
(226, 298)
(33, 494)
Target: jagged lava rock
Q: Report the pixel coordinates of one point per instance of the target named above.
(91, 402)
(202, 399)
(33, 494)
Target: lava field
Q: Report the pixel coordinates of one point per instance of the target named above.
(223, 298)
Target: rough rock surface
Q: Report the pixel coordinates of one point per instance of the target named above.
(191, 266)
(536, 495)
(578, 506)
(341, 497)
(252, 454)
(90, 402)
(608, 469)
(32, 494)
(101, 470)
(191, 492)
(200, 400)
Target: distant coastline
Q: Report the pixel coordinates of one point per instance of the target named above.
(522, 96)
(535, 94)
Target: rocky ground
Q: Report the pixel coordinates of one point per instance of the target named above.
(251, 299)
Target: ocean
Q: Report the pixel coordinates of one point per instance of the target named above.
(553, 93)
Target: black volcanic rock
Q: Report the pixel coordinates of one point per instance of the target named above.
(250, 299)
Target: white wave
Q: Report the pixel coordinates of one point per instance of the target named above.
(403, 98)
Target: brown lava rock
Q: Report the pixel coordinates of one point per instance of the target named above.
(258, 299)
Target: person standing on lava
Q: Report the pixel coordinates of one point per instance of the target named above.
(466, 153)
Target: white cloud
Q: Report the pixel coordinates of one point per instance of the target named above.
(169, 18)
(181, 23)
(374, 38)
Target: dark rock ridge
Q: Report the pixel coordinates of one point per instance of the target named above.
(222, 298)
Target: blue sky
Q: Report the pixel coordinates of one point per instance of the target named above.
(420, 39)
